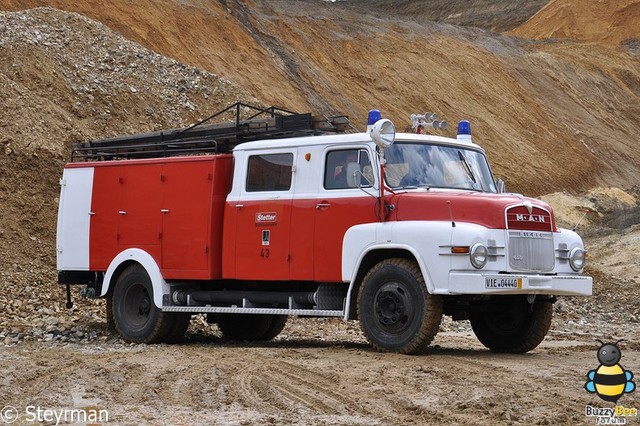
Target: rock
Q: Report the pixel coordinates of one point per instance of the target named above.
(52, 321)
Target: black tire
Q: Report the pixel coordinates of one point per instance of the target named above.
(136, 317)
(396, 312)
(277, 325)
(179, 324)
(111, 324)
(244, 326)
(514, 329)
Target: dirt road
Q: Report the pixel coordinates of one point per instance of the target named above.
(312, 375)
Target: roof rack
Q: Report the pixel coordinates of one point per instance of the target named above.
(201, 138)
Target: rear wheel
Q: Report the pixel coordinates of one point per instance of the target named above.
(136, 317)
(244, 326)
(396, 312)
(179, 324)
(277, 325)
(516, 328)
(111, 324)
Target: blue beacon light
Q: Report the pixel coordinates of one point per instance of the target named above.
(374, 115)
(464, 131)
(464, 127)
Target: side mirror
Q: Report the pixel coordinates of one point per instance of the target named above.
(500, 186)
(353, 175)
(383, 133)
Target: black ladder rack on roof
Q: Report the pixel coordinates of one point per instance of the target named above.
(212, 138)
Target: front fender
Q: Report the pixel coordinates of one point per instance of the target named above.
(421, 239)
(147, 262)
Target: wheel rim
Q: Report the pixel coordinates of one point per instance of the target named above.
(393, 308)
(137, 306)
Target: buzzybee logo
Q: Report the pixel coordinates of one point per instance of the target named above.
(610, 380)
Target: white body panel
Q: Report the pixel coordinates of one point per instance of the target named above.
(444, 273)
(349, 139)
(72, 239)
(307, 181)
(409, 235)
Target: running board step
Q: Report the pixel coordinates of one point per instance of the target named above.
(259, 311)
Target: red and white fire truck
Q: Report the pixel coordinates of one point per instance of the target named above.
(282, 214)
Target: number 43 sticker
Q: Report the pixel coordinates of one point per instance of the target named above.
(266, 239)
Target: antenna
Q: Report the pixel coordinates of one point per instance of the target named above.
(453, 222)
(586, 212)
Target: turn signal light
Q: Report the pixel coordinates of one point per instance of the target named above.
(460, 250)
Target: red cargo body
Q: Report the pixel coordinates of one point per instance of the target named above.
(170, 207)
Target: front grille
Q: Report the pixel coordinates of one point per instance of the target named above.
(531, 251)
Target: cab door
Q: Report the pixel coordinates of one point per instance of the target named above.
(342, 202)
(263, 216)
(307, 178)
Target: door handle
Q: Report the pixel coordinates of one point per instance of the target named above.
(323, 205)
(122, 212)
(164, 211)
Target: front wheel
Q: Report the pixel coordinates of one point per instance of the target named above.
(516, 327)
(396, 312)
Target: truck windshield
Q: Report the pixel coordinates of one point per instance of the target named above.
(437, 166)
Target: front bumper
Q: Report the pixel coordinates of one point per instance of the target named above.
(487, 283)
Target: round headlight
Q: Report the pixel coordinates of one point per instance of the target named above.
(478, 256)
(576, 259)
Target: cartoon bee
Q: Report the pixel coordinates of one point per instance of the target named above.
(609, 381)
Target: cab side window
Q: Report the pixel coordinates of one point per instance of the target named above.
(345, 169)
(269, 172)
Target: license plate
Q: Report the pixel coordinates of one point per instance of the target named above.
(502, 283)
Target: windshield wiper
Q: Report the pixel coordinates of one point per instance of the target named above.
(426, 187)
(467, 167)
